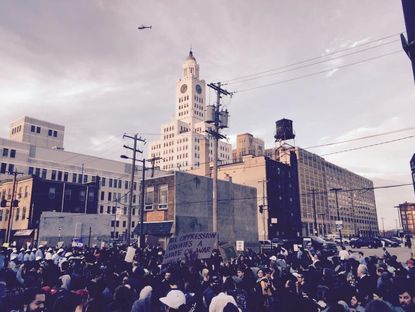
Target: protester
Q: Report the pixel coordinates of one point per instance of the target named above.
(98, 279)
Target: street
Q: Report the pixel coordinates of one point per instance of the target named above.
(403, 253)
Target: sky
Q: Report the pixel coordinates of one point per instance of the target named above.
(84, 64)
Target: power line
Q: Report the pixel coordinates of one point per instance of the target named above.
(314, 58)
(303, 194)
(317, 73)
(360, 138)
(370, 145)
(308, 65)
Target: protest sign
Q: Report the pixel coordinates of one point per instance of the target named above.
(197, 245)
(240, 246)
(129, 256)
(227, 251)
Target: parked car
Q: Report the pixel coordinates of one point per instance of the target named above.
(327, 248)
(388, 243)
(370, 242)
(396, 240)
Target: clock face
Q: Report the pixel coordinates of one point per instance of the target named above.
(198, 89)
(183, 88)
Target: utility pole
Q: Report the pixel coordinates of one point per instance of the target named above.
(12, 204)
(353, 211)
(339, 225)
(315, 212)
(264, 207)
(219, 119)
(383, 225)
(142, 242)
(408, 45)
(135, 138)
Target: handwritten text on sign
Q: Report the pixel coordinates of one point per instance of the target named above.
(198, 245)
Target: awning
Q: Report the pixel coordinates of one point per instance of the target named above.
(155, 228)
(23, 233)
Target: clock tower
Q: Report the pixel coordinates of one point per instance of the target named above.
(190, 93)
(179, 146)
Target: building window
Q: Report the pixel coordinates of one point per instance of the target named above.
(80, 178)
(102, 195)
(126, 185)
(119, 184)
(82, 196)
(74, 177)
(12, 153)
(17, 214)
(109, 196)
(5, 152)
(37, 172)
(55, 133)
(132, 224)
(102, 181)
(163, 194)
(11, 168)
(135, 186)
(91, 196)
(124, 223)
(68, 194)
(24, 213)
(52, 192)
(149, 198)
(108, 209)
(85, 178)
(50, 132)
(101, 209)
(44, 173)
(1, 215)
(3, 168)
(30, 172)
(53, 177)
(65, 176)
(134, 199)
(114, 210)
(117, 223)
(37, 129)
(32, 128)
(59, 175)
(110, 182)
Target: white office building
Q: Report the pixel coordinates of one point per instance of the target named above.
(179, 144)
(35, 147)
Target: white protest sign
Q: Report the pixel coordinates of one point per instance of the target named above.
(198, 245)
(129, 257)
(240, 245)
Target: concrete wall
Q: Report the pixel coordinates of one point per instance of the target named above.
(56, 226)
(237, 206)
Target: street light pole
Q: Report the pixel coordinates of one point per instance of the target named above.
(142, 242)
(336, 190)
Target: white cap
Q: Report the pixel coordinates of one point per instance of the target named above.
(273, 258)
(174, 299)
(68, 254)
(48, 256)
(60, 250)
(13, 256)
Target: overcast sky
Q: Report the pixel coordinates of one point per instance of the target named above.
(84, 64)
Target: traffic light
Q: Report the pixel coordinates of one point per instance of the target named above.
(261, 208)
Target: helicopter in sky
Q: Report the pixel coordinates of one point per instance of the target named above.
(144, 27)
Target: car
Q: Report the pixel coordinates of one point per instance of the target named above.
(388, 243)
(327, 248)
(370, 242)
(396, 240)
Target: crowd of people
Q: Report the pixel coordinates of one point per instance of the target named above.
(99, 279)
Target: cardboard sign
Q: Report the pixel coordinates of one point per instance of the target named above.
(197, 245)
(129, 256)
(77, 243)
(227, 251)
(295, 247)
(240, 245)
